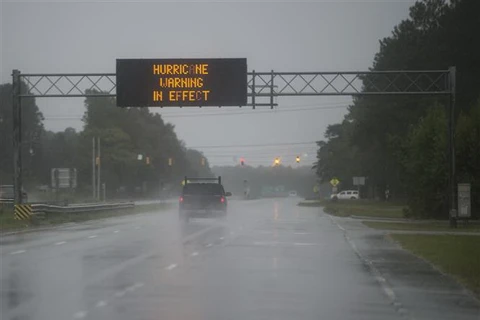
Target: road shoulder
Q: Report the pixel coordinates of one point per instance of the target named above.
(420, 288)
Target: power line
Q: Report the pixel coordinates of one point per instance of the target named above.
(200, 114)
(251, 153)
(253, 112)
(254, 145)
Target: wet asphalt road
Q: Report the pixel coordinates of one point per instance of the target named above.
(269, 259)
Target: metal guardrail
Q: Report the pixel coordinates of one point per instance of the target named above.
(78, 208)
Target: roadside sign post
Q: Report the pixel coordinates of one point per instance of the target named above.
(464, 201)
(334, 182)
(63, 178)
(358, 181)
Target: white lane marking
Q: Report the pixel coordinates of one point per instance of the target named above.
(221, 238)
(305, 244)
(208, 245)
(266, 232)
(131, 288)
(194, 254)
(60, 243)
(101, 303)
(265, 243)
(80, 315)
(116, 231)
(171, 267)
(302, 233)
(92, 237)
(119, 294)
(386, 288)
(17, 252)
(138, 285)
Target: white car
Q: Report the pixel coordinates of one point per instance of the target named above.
(346, 194)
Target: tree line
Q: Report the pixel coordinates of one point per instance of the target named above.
(400, 143)
(125, 133)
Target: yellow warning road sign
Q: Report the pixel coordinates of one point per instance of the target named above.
(22, 212)
(334, 182)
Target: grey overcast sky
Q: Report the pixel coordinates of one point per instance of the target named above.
(87, 36)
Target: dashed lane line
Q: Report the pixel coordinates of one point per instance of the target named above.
(101, 304)
(17, 252)
(92, 237)
(194, 254)
(80, 315)
(60, 243)
(171, 267)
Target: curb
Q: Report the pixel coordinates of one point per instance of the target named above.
(381, 218)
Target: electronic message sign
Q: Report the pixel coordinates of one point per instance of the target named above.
(181, 82)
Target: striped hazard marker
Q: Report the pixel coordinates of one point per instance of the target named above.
(22, 212)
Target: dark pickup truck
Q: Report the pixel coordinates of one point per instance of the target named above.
(203, 197)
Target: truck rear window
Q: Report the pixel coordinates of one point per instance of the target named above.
(203, 189)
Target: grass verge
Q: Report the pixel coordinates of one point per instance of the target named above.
(7, 223)
(366, 208)
(416, 226)
(454, 254)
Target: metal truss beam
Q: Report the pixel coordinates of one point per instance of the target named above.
(262, 84)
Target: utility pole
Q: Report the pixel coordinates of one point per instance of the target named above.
(99, 167)
(93, 169)
(453, 213)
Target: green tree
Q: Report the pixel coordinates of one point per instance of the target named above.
(437, 35)
(32, 130)
(426, 167)
(468, 153)
(128, 132)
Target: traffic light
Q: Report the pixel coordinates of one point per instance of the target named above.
(242, 161)
(276, 162)
(170, 162)
(297, 159)
(147, 160)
